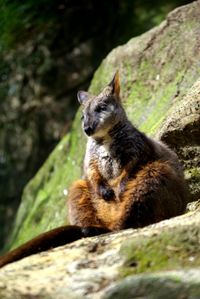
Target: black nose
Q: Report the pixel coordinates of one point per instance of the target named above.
(88, 130)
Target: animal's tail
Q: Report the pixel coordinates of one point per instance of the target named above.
(51, 239)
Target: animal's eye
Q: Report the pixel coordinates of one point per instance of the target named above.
(100, 108)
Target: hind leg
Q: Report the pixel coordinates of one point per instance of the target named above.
(154, 194)
(81, 210)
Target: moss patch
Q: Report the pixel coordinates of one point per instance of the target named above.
(192, 176)
(154, 75)
(46, 194)
(175, 249)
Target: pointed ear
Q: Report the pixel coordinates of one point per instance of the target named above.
(115, 84)
(82, 96)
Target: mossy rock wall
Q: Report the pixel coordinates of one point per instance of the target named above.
(157, 69)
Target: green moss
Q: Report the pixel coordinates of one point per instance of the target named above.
(45, 195)
(192, 176)
(193, 173)
(101, 77)
(171, 250)
(146, 100)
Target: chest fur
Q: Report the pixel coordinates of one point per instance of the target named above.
(108, 167)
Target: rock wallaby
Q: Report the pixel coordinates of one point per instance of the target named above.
(130, 180)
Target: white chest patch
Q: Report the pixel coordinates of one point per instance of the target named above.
(108, 166)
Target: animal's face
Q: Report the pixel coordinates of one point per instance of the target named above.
(102, 112)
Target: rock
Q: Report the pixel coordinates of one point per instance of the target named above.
(164, 285)
(181, 131)
(167, 253)
(158, 70)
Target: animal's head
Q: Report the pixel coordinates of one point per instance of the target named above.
(101, 113)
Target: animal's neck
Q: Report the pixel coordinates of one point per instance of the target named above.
(126, 143)
(121, 131)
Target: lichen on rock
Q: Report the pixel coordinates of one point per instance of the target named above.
(181, 131)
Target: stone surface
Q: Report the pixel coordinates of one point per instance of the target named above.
(164, 285)
(103, 267)
(181, 130)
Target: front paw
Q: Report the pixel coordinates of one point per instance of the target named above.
(107, 193)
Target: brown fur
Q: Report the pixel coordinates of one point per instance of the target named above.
(56, 237)
(147, 199)
(81, 209)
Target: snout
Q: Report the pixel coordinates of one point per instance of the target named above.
(89, 130)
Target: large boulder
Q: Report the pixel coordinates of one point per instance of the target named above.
(181, 132)
(160, 261)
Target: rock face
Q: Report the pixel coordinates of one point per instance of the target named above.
(160, 74)
(181, 131)
(111, 266)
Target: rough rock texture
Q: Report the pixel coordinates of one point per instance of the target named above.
(181, 130)
(103, 267)
(164, 285)
(158, 70)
